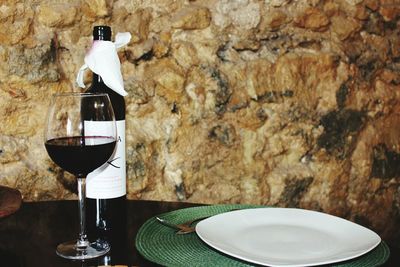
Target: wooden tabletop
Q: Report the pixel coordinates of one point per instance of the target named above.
(28, 238)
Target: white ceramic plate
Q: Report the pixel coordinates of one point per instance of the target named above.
(286, 237)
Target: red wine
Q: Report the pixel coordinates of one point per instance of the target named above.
(106, 206)
(80, 155)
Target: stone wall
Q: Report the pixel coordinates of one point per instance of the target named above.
(277, 102)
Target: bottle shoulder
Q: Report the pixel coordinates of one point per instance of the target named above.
(117, 100)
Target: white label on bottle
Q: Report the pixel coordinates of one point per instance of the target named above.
(108, 181)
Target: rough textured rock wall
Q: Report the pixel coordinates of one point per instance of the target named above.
(278, 102)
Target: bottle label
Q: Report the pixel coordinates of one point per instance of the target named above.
(109, 180)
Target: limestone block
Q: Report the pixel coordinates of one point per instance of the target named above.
(160, 49)
(358, 11)
(57, 15)
(140, 158)
(169, 80)
(379, 44)
(258, 82)
(236, 75)
(242, 14)
(12, 149)
(389, 11)
(331, 8)
(143, 50)
(313, 19)
(16, 21)
(185, 54)
(372, 4)
(276, 3)
(354, 2)
(206, 41)
(273, 20)
(247, 16)
(98, 8)
(310, 92)
(191, 18)
(137, 24)
(34, 64)
(139, 92)
(17, 120)
(344, 27)
(246, 43)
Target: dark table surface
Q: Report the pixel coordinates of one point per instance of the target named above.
(29, 237)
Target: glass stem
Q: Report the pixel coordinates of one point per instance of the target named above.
(82, 240)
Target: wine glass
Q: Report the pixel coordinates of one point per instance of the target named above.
(80, 136)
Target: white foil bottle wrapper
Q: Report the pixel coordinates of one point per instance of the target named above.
(103, 60)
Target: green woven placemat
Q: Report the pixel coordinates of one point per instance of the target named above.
(160, 244)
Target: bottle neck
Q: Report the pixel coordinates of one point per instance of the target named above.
(96, 79)
(100, 34)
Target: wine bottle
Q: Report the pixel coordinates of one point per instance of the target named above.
(106, 186)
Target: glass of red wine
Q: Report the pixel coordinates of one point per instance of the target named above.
(80, 136)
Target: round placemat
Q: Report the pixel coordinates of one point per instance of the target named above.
(161, 244)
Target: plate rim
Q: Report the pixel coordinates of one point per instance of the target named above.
(201, 224)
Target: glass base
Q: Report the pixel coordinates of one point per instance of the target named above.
(70, 250)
